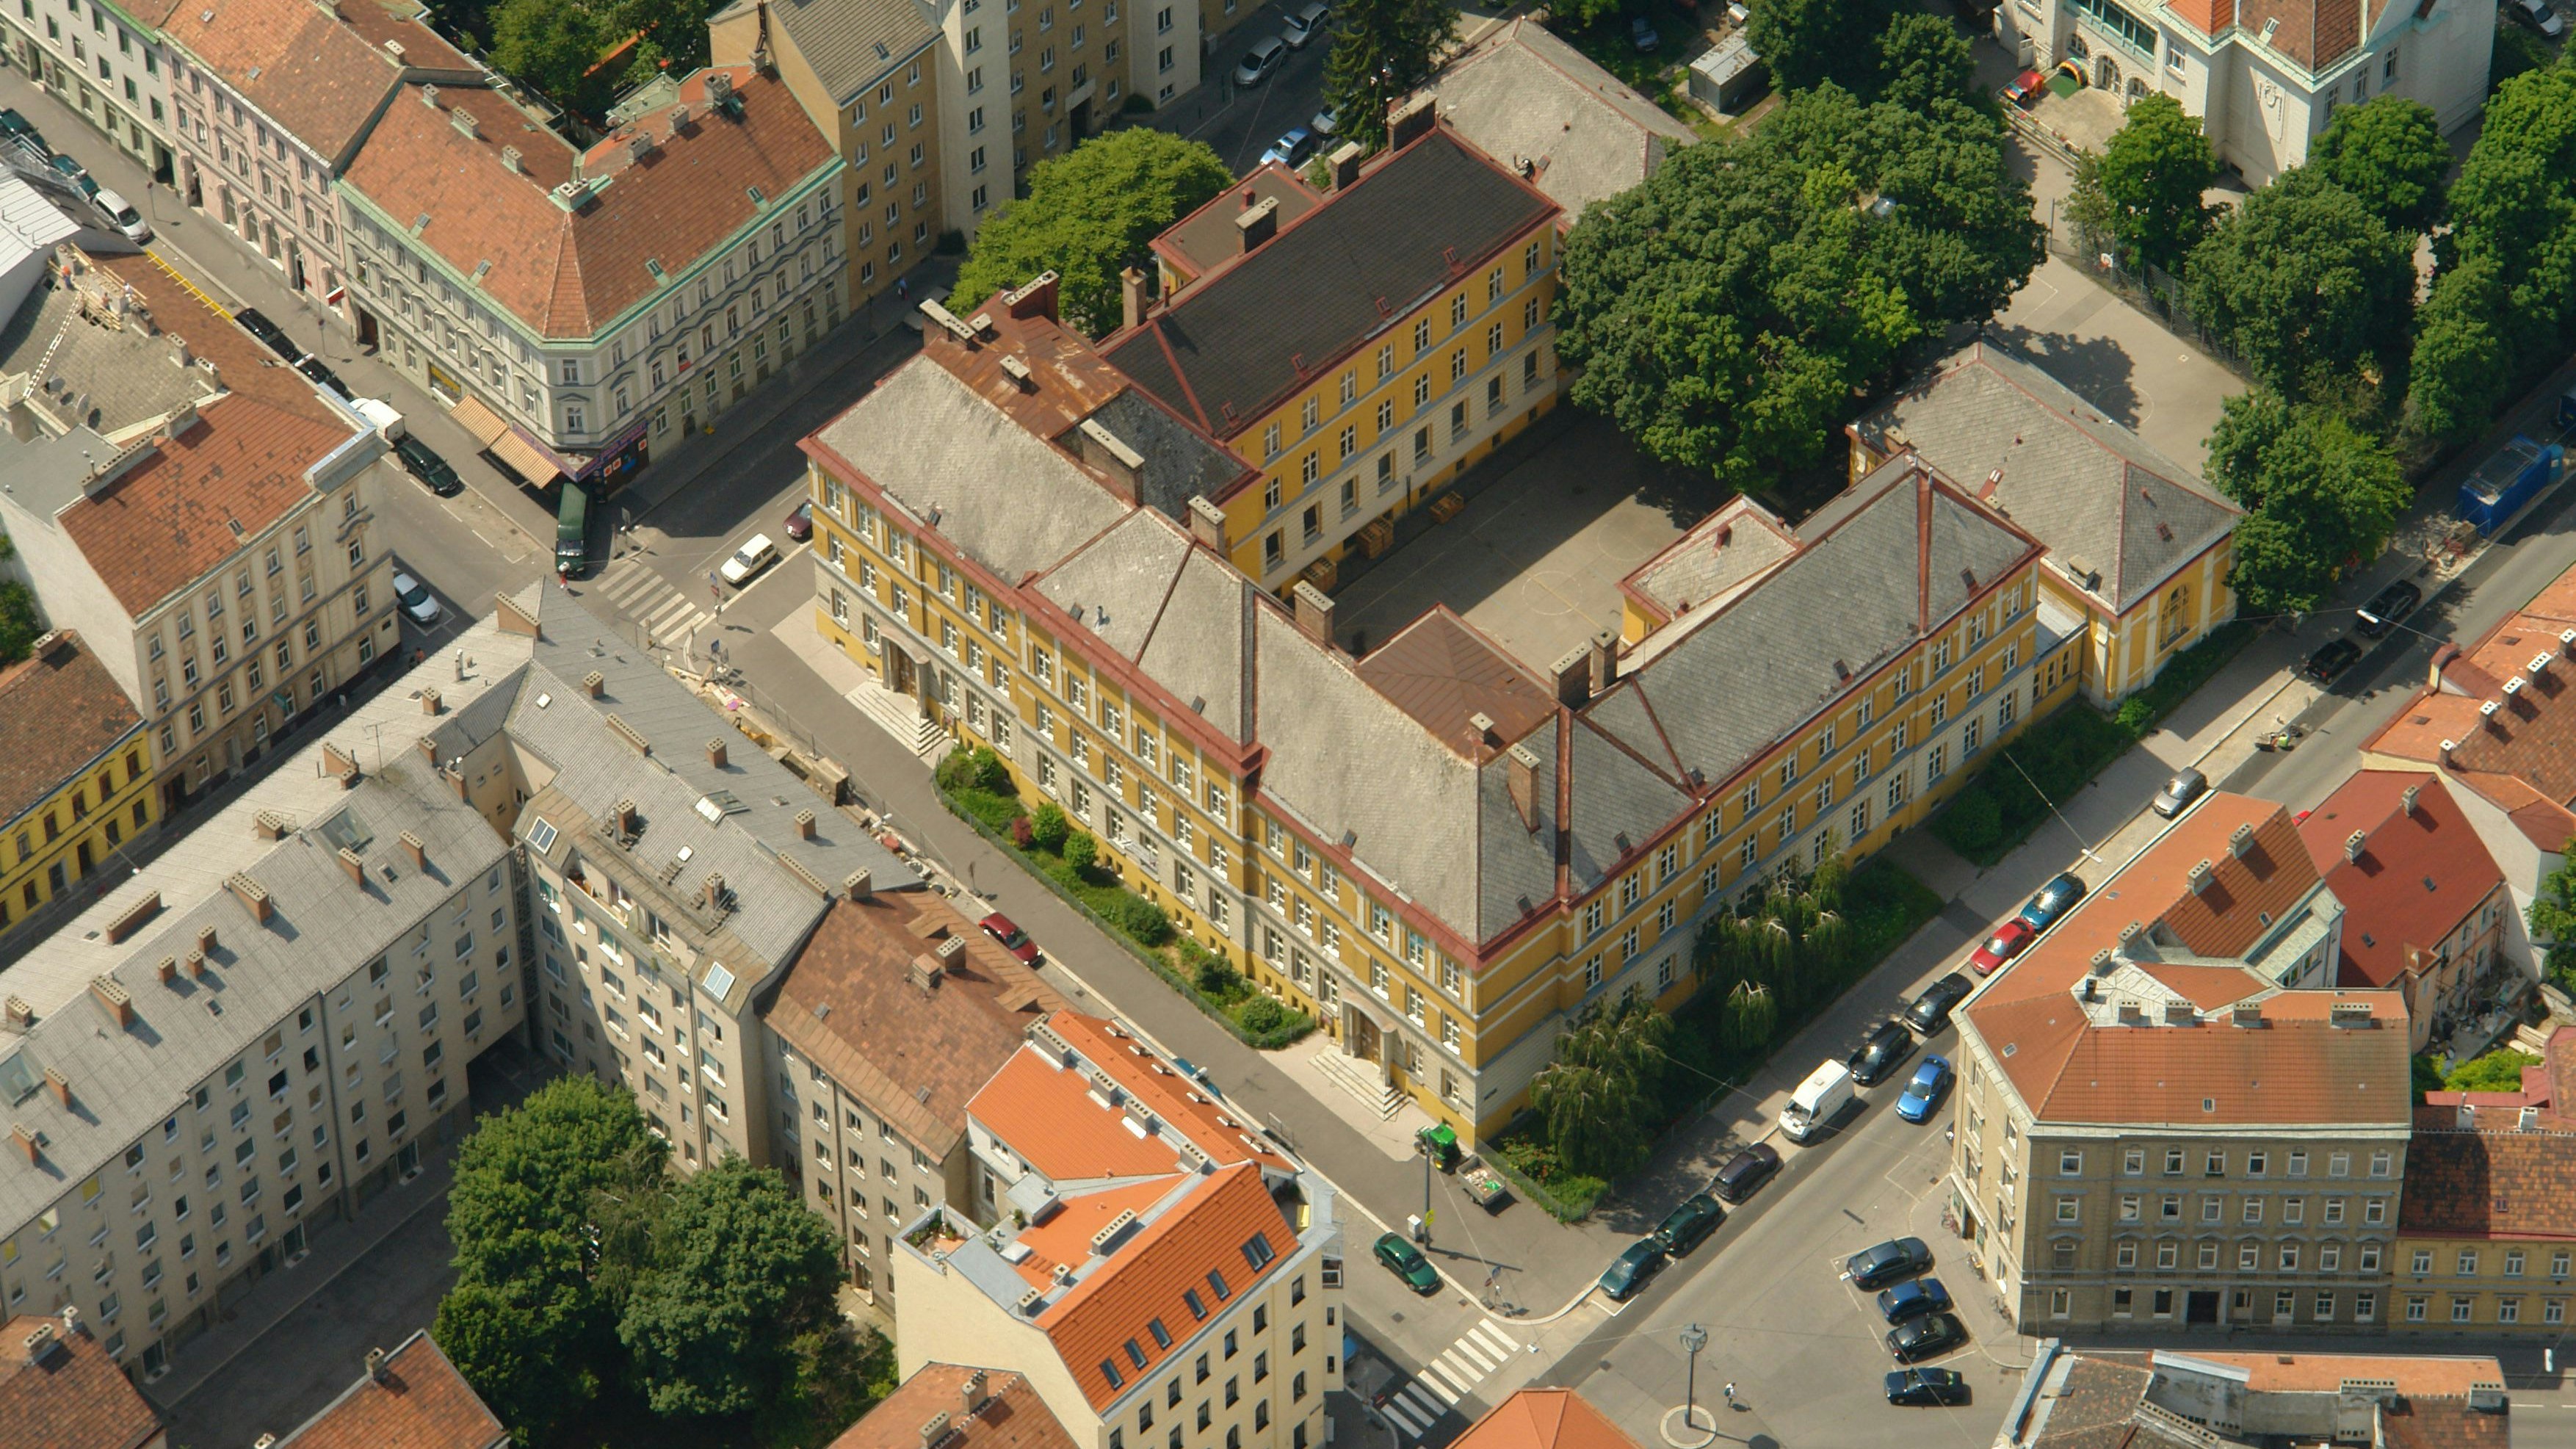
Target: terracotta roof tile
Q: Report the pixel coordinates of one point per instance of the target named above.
(1005, 1413)
(2490, 1185)
(570, 273)
(422, 1402)
(59, 712)
(298, 62)
(1029, 1103)
(2522, 756)
(75, 1397)
(2389, 911)
(1442, 670)
(2431, 1423)
(1544, 1419)
(1211, 1126)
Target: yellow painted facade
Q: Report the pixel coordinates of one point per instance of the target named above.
(2487, 1285)
(54, 844)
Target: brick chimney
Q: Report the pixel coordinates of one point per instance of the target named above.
(17, 1014)
(25, 1137)
(1131, 296)
(1314, 610)
(1345, 163)
(1573, 676)
(272, 825)
(1605, 661)
(131, 919)
(355, 867)
(60, 1085)
(1037, 298)
(1258, 222)
(593, 682)
(412, 846)
(858, 885)
(716, 753)
(1520, 776)
(804, 824)
(1106, 451)
(1207, 523)
(168, 970)
(376, 1365)
(1409, 122)
(429, 701)
(111, 996)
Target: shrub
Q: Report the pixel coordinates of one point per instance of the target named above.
(1048, 826)
(1261, 1015)
(1020, 831)
(1974, 822)
(1142, 919)
(1081, 852)
(2136, 716)
(1215, 976)
(2498, 1071)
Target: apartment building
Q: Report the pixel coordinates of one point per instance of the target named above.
(2168, 1116)
(950, 1406)
(75, 774)
(221, 558)
(2139, 547)
(269, 100)
(1547, 110)
(677, 876)
(2486, 1237)
(409, 1398)
(868, 76)
(105, 61)
(54, 1378)
(2075, 1399)
(240, 1044)
(1362, 354)
(2263, 76)
(578, 307)
(2427, 912)
(1021, 542)
(1155, 1271)
(894, 1015)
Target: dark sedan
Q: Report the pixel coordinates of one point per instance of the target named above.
(2386, 608)
(320, 372)
(425, 465)
(1746, 1171)
(1931, 1010)
(1926, 1387)
(1927, 1337)
(1896, 1258)
(1883, 1052)
(1908, 1301)
(1689, 1225)
(269, 333)
(2330, 661)
(1633, 1270)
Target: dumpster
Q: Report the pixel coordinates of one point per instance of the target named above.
(2507, 481)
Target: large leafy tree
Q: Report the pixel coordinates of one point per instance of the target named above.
(741, 1270)
(2553, 917)
(557, 46)
(2514, 207)
(1724, 312)
(2154, 171)
(1383, 52)
(1089, 214)
(1921, 59)
(2306, 286)
(2388, 152)
(1808, 43)
(2463, 359)
(1598, 1096)
(20, 625)
(2319, 495)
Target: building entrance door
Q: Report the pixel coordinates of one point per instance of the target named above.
(2201, 1307)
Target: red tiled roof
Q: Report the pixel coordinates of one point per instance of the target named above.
(1544, 1419)
(2418, 876)
(243, 365)
(75, 1398)
(59, 712)
(569, 273)
(1144, 1280)
(1004, 1414)
(301, 65)
(1039, 1109)
(1065, 1237)
(1211, 1125)
(169, 518)
(422, 1402)
(2490, 1185)
(2523, 755)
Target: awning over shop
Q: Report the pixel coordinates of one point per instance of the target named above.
(482, 422)
(516, 450)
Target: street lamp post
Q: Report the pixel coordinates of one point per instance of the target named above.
(1694, 1338)
(1424, 1148)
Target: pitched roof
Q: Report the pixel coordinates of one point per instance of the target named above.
(916, 1055)
(2507, 1184)
(72, 1396)
(850, 43)
(417, 1400)
(986, 1409)
(308, 67)
(60, 710)
(2315, 33)
(569, 269)
(1208, 238)
(1231, 347)
(2054, 1025)
(1176, 611)
(2421, 870)
(1544, 1419)
(1443, 671)
(1526, 96)
(2091, 490)
(1713, 558)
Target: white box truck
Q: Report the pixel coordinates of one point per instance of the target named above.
(1818, 1100)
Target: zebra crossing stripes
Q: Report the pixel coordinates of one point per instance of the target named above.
(1413, 1409)
(1479, 1352)
(643, 595)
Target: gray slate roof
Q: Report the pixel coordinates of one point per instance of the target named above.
(2082, 484)
(1526, 95)
(1175, 609)
(850, 43)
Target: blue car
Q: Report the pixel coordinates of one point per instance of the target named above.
(2054, 900)
(1293, 149)
(1912, 1300)
(1931, 1083)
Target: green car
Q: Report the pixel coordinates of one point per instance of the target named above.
(1406, 1262)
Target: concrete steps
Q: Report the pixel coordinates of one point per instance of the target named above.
(900, 715)
(1360, 1079)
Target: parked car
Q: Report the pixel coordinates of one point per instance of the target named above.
(73, 172)
(1014, 940)
(320, 371)
(1641, 34)
(121, 214)
(1325, 122)
(415, 600)
(1923, 1094)
(1928, 1337)
(756, 553)
(1819, 1100)
(2386, 608)
(1687, 1226)
(2186, 786)
(1260, 61)
(1405, 1261)
(800, 523)
(428, 467)
(1913, 1300)
(1931, 1010)
(13, 124)
(1293, 149)
(1632, 1270)
(1305, 24)
(1746, 1171)
(1919, 1387)
(1884, 1264)
(269, 333)
(2054, 900)
(2538, 15)
(2332, 658)
(2006, 943)
(1880, 1053)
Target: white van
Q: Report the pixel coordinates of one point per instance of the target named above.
(1818, 1100)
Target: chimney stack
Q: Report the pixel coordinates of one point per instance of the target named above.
(2240, 841)
(271, 825)
(1483, 724)
(2247, 1013)
(1605, 661)
(376, 1364)
(2406, 802)
(17, 1014)
(2354, 844)
(973, 1392)
(25, 1137)
(934, 1430)
(1520, 775)
(804, 824)
(413, 847)
(168, 970)
(1314, 610)
(1345, 164)
(463, 120)
(429, 701)
(1035, 298)
(858, 885)
(1573, 677)
(1106, 451)
(512, 158)
(1131, 296)
(111, 996)
(1258, 222)
(2102, 962)
(1409, 122)
(714, 888)
(2199, 877)
(355, 867)
(716, 753)
(131, 919)
(1207, 523)
(593, 682)
(60, 1085)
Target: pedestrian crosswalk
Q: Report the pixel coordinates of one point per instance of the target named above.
(1449, 1378)
(666, 613)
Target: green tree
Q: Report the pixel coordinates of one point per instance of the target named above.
(20, 625)
(1922, 59)
(2514, 207)
(2463, 359)
(1598, 1094)
(1089, 214)
(741, 1269)
(551, 45)
(2306, 286)
(2154, 172)
(1081, 850)
(1724, 312)
(2426, 1074)
(2553, 917)
(1048, 827)
(1808, 43)
(2088, 209)
(526, 1347)
(2319, 494)
(2388, 152)
(1383, 52)
(1751, 1017)
(2497, 1071)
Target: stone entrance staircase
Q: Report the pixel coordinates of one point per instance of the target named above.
(900, 715)
(1361, 1079)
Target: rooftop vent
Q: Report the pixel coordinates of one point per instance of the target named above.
(2349, 1014)
(2354, 844)
(2199, 877)
(2247, 1013)
(934, 1430)
(2240, 841)
(1106, 1240)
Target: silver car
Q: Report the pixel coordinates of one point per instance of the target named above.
(2178, 793)
(416, 603)
(1258, 62)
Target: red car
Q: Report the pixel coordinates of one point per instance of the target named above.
(2006, 943)
(1013, 939)
(800, 524)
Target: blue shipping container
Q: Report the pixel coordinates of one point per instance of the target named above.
(2507, 481)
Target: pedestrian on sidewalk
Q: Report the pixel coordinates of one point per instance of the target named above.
(1730, 1395)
